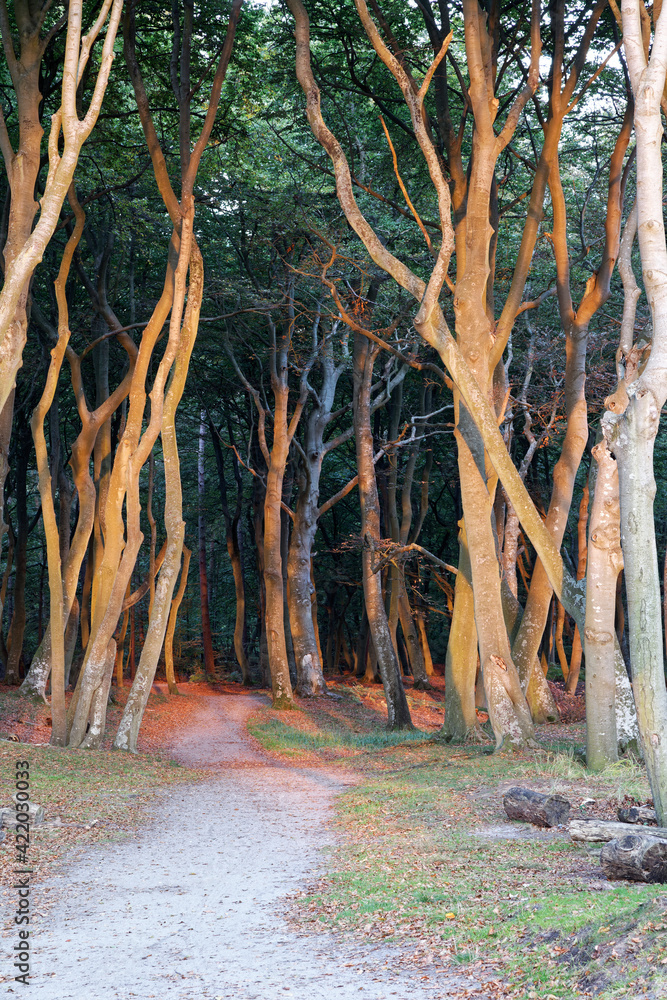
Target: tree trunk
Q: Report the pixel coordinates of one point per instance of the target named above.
(631, 433)
(310, 678)
(398, 713)
(128, 728)
(461, 660)
(508, 711)
(577, 650)
(207, 640)
(17, 627)
(232, 533)
(605, 560)
(171, 625)
(273, 567)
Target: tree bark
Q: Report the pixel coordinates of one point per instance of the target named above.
(207, 639)
(461, 660)
(605, 561)
(17, 626)
(635, 858)
(171, 625)
(533, 807)
(398, 713)
(232, 533)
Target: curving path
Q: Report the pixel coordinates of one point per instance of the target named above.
(191, 908)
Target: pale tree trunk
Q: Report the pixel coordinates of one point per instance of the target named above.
(631, 434)
(481, 343)
(171, 625)
(25, 246)
(310, 678)
(605, 561)
(72, 555)
(135, 446)
(575, 325)
(207, 640)
(128, 728)
(300, 584)
(56, 583)
(398, 712)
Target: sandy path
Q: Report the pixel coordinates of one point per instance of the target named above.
(191, 907)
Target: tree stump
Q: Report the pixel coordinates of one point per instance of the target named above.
(533, 807)
(635, 857)
(638, 814)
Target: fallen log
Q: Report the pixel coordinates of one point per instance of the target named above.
(600, 831)
(533, 807)
(638, 814)
(636, 857)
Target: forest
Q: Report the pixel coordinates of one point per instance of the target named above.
(332, 341)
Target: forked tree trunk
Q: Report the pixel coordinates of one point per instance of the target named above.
(130, 723)
(300, 583)
(25, 245)
(398, 712)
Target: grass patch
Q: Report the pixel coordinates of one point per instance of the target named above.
(277, 736)
(428, 858)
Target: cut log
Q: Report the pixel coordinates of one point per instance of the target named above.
(601, 831)
(638, 814)
(533, 807)
(636, 857)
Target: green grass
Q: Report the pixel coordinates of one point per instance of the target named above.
(277, 736)
(412, 867)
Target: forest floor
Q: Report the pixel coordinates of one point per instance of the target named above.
(319, 857)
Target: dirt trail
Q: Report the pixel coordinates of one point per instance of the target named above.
(191, 908)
